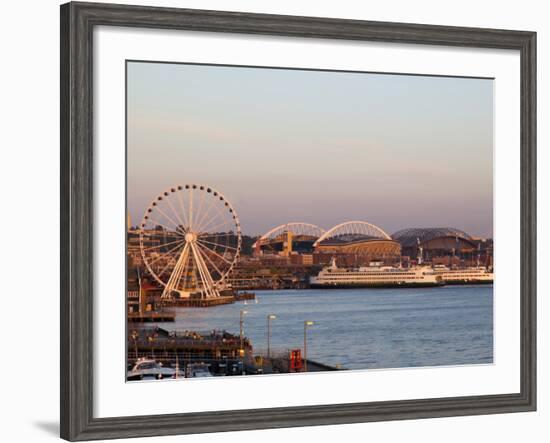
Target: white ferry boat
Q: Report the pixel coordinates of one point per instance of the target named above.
(465, 276)
(374, 276)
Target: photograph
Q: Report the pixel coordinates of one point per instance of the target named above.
(267, 221)
(285, 220)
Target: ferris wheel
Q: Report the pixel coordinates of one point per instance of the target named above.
(190, 240)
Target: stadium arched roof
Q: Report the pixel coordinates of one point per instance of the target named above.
(297, 228)
(411, 236)
(352, 231)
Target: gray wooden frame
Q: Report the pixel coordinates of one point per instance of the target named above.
(77, 23)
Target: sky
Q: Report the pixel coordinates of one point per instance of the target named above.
(321, 147)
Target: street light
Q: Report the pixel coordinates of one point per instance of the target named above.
(306, 324)
(150, 340)
(241, 334)
(241, 325)
(134, 337)
(177, 374)
(269, 318)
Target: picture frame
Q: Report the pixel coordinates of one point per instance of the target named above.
(78, 21)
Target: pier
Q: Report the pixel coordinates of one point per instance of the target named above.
(199, 302)
(192, 302)
(164, 345)
(283, 364)
(220, 350)
(151, 317)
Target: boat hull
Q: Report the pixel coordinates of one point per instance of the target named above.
(468, 282)
(367, 285)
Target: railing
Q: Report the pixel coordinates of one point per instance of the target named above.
(192, 339)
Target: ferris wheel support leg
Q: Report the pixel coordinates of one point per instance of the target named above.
(197, 268)
(185, 272)
(208, 283)
(205, 289)
(176, 274)
(213, 290)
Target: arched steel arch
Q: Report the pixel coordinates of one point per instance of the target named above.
(413, 236)
(354, 227)
(297, 228)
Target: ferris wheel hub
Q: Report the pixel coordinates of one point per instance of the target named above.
(190, 237)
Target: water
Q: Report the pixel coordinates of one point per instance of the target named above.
(364, 328)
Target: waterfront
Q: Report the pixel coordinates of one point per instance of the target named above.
(363, 328)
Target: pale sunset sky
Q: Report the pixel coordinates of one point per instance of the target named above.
(315, 146)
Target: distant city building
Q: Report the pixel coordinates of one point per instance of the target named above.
(302, 259)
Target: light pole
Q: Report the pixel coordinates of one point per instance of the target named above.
(241, 335)
(306, 324)
(269, 318)
(134, 337)
(241, 326)
(177, 359)
(150, 340)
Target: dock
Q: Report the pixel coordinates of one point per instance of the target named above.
(183, 345)
(220, 350)
(315, 366)
(238, 296)
(199, 302)
(281, 363)
(151, 317)
(208, 302)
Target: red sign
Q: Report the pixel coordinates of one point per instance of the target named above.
(296, 359)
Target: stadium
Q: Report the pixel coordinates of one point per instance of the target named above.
(359, 242)
(352, 242)
(442, 245)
